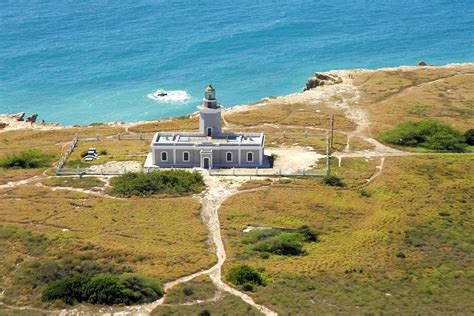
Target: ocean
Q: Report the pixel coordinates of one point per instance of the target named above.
(80, 62)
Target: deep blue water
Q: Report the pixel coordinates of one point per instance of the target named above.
(78, 62)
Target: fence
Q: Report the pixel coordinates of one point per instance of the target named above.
(60, 170)
(66, 155)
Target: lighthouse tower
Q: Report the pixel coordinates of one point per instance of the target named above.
(210, 114)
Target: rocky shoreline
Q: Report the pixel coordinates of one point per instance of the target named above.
(10, 122)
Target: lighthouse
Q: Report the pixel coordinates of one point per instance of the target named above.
(210, 114)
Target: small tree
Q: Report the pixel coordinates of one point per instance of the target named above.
(333, 181)
(469, 136)
(243, 274)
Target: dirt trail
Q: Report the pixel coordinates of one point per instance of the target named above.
(218, 190)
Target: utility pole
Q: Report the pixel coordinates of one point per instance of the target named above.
(332, 131)
(328, 155)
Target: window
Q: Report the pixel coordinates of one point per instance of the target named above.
(249, 157)
(186, 156)
(228, 156)
(164, 156)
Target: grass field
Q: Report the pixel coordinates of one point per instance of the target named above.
(117, 150)
(160, 238)
(227, 305)
(380, 247)
(442, 93)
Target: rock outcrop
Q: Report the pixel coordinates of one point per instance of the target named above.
(322, 79)
(20, 116)
(422, 63)
(32, 118)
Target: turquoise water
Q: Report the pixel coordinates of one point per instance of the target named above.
(78, 62)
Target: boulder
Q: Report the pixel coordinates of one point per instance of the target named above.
(3, 125)
(32, 118)
(322, 79)
(422, 63)
(20, 116)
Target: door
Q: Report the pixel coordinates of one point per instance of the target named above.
(209, 131)
(206, 163)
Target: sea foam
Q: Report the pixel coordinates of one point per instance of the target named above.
(173, 96)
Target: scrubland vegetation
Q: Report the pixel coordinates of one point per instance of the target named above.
(172, 182)
(26, 159)
(429, 134)
(379, 245)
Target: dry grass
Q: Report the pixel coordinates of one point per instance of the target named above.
(227, 305)
(290, 114)
(442, 93)
(184, 123)
(10, 175)
(117, 150)
(161, 238)
(361, 232)
(200, 288)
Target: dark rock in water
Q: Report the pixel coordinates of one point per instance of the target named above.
(32, 118)
(422, 63)
(321, 79)
(20, 116)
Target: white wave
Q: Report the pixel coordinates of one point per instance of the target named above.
(173, 96)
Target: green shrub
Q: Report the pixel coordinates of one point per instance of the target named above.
(257, 235)
(430, 134)
(84, 153)
(308, 234)
(243, 274)
(248, 287)
(400, 254)
(333, 181)
(188, 291)
(103, 288)
(285, 244)
(204, 312)
(103, 152)
(163, 182)
(26, 159)
(469, 136)
(271, 159)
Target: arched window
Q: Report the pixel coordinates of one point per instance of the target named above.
(249, 157)
(228, 156)
(186, 156)
(164, 156)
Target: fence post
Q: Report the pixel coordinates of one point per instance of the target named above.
(256, 171)
(97, 136)
(284, 134)
(118, 136)
(233, 171)
(141, 136)
(305, 134)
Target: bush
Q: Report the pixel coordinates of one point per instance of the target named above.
(430, 134)
(163, 182)
(248, 287)
(400, 254)
(27, 159)
(103, 152)
(333, 181)
(308, 234)
(469, 136)
(84, 153)
(204, 312)
(103, 289)
(271, 159)
(188, 291)
(243, 274)
(284, 244)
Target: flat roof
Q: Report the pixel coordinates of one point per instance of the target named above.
(186, 138)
